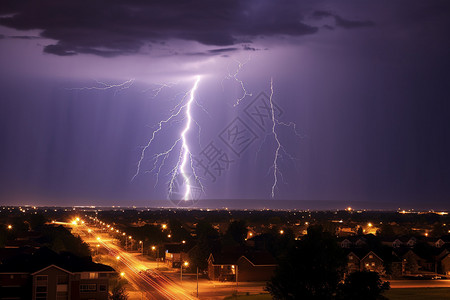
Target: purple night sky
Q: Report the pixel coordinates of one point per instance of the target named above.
(365, 82)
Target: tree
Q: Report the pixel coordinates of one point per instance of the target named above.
(207, 242)
(311, 269)
(237, 230)
(118, 291)
(362, 285)
(386, 231)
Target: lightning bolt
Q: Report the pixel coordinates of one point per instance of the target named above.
(185, 161)
(159, 88)
(234, 76)
(102, 86)
(275, 135)
(279, 148)
(185, 152)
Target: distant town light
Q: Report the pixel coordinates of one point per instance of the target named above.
(117, 257)
(369, 224)
(122, 274)
(164, 226)
(184, 242)
(281, 231)
(169, 236)
(186, 263)
(9, 226)
(153, 247)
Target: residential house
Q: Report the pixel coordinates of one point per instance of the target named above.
(372, 262)
(175, 254)
(253, 266)
(47, 275)
(444, 240)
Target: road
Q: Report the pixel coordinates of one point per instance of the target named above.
(154, 285)
(403, 284)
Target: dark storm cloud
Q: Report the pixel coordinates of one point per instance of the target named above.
(110, 28)
(342, 22)
(24, 37)
(222, 50)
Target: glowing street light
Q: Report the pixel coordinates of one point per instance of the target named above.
(157, 255)
(164, 226)
(281, 231)
(122, 274)
(186, 264)
(10, 227)
(117, 257)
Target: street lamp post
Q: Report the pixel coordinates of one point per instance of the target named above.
(197, 281)
(181, 270)
(157, 254)
(237, 279)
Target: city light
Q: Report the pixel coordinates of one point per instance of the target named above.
(117, 257)
(9, 226)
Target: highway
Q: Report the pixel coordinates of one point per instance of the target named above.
(152, 283)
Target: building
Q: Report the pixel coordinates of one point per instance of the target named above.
(175, 254)
(47, 275)
(256, 266)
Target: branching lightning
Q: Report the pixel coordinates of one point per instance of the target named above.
(234, 76)
(185, 153)
(106, 86)
(184, 163)
(159, 88)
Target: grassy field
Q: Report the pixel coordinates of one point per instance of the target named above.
(393, 294)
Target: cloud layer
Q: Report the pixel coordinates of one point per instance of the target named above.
(111, 28)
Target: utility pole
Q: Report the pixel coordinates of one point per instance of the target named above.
(237, 278)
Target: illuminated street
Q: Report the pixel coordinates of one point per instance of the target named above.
(153, 284)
